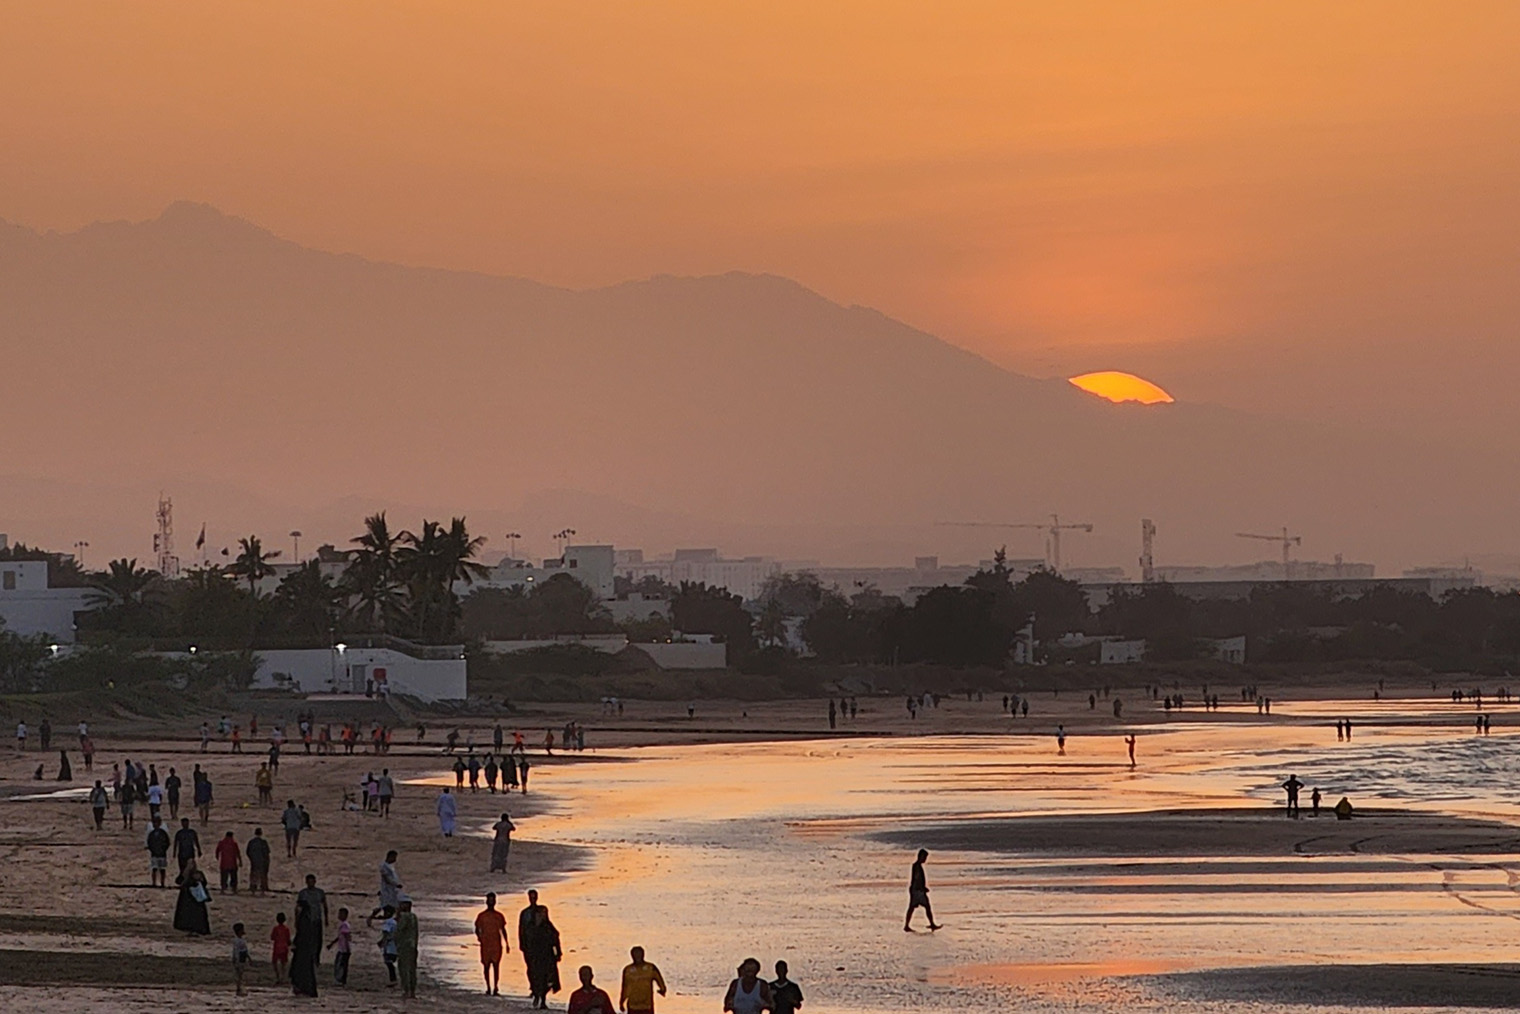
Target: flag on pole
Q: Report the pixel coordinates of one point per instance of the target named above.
(201, 540)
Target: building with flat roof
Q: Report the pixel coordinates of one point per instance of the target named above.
(31, 607)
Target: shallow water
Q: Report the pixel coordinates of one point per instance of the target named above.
(710, 854)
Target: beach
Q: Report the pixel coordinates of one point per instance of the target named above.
(747, 827)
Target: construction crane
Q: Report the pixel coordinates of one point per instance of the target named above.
(1053, 529)
(1288, 542)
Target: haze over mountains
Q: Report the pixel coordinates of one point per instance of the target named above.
(268, 387)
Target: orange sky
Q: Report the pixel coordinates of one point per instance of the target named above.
(1029, 180)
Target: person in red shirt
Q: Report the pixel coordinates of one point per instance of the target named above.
(228, 858)
(589, 999)
(279, 949)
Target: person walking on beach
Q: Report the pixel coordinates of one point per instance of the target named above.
(1314, 798)
(263, 780)
(406, 947)
(540, 946)
(918, 894)
(158, 854)
(748, 994)
(99, 800)
(786, 995)
(502, 847)
(344, 944)
(1292, 785)
(241, 957)
(447, 808)
(306, 950)
(491, 933)
(589, 999)
(203, 799)
(171, 793)
(228, 858)
(387, 786)
(1129, 743)
(187, 844)
(522, 772)
(833, 713)
(190, 915)
(390, 886)
(640, 981)
(1061, 740)
(491, 771)
(290, 820)
(257, 851)
(279, 948)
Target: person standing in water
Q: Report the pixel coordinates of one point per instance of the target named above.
(1129, 742)
(1291, 786)
(918, 894)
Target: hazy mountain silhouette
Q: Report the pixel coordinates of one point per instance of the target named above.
(199, 348)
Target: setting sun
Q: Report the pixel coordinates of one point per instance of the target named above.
(1117, 386)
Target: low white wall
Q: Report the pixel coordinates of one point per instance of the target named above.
(355, 670)
(611, 644)
(686, 655)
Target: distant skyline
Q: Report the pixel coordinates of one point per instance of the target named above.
(1299, 222)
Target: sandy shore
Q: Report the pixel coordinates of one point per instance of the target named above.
(81, 927)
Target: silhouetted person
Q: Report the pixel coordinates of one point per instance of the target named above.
(1292, 785)
(1314, 798)
(1129, 741)
(833, 713)
(918, 894)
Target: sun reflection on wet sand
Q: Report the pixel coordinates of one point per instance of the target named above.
(709, 854)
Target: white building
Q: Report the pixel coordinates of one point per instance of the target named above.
(743, 577)
(592, 566)
(431, 674)
(30, 607)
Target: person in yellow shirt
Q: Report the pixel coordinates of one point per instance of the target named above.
(640, 980)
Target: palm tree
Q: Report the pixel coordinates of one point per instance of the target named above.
(252, 563)
(372, 578)
(120, 592)
(432, 561)
(307, 600)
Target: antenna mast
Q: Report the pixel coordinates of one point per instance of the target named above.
(163, 539)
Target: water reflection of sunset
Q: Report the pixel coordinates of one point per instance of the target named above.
(707, 854)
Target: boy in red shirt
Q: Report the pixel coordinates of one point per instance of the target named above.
(228, 858)
(589, 999)
(279, 951)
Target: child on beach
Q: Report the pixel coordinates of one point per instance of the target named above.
(240, 956)
(387, 943)
(345, 946)
(279, 950)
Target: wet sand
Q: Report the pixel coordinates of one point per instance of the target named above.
(668, 815)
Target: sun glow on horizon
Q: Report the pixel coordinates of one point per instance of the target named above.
(1118, 386)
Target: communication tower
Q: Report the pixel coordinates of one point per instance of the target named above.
(1147, 539)
(163, 539)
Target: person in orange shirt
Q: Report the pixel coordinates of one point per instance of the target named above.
(491, 931)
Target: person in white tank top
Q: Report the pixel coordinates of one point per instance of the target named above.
(748, 994)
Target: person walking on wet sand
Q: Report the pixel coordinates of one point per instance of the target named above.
(640, 980)
(187, 844)
(918, 894)
(522, 772)
(290, 820)
(1292, 785)
(589, 999)
(406, 947)
(501, 848)
(491, 933)
(1061, 740)
(1129, 743)
(1314, 798)
(748, 994)
(448, 812)
(786, 995)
